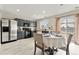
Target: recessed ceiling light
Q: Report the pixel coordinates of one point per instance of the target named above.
(44, 11)
(18, 10)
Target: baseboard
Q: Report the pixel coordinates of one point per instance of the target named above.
(8, 41)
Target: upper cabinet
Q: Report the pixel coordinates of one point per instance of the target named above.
(25, 23)
(33, 24)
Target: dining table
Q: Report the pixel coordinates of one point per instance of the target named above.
(54, 42)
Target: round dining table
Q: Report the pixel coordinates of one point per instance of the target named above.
(53, 41)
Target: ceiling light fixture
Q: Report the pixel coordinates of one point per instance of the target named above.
(18, 10)
(44, 11)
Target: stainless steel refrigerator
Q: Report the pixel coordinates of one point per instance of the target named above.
(8, 30)
(13, 30)
(5, 30)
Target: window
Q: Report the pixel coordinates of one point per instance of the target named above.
(67, 24)
(44, 24)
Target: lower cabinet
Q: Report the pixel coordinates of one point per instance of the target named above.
(20, 35)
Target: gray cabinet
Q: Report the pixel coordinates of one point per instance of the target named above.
(20, 34)
(24, 24)
(21, 22)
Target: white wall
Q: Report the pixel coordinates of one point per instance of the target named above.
(0, 16)
(6, 14)
(1, 7)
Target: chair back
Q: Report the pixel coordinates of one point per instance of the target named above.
(38, 38)
(69, 39)
(68, 42)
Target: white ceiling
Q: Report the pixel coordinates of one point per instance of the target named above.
(37, 11)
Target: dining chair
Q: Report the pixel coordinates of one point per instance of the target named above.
(38, 41)
(67, 46)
